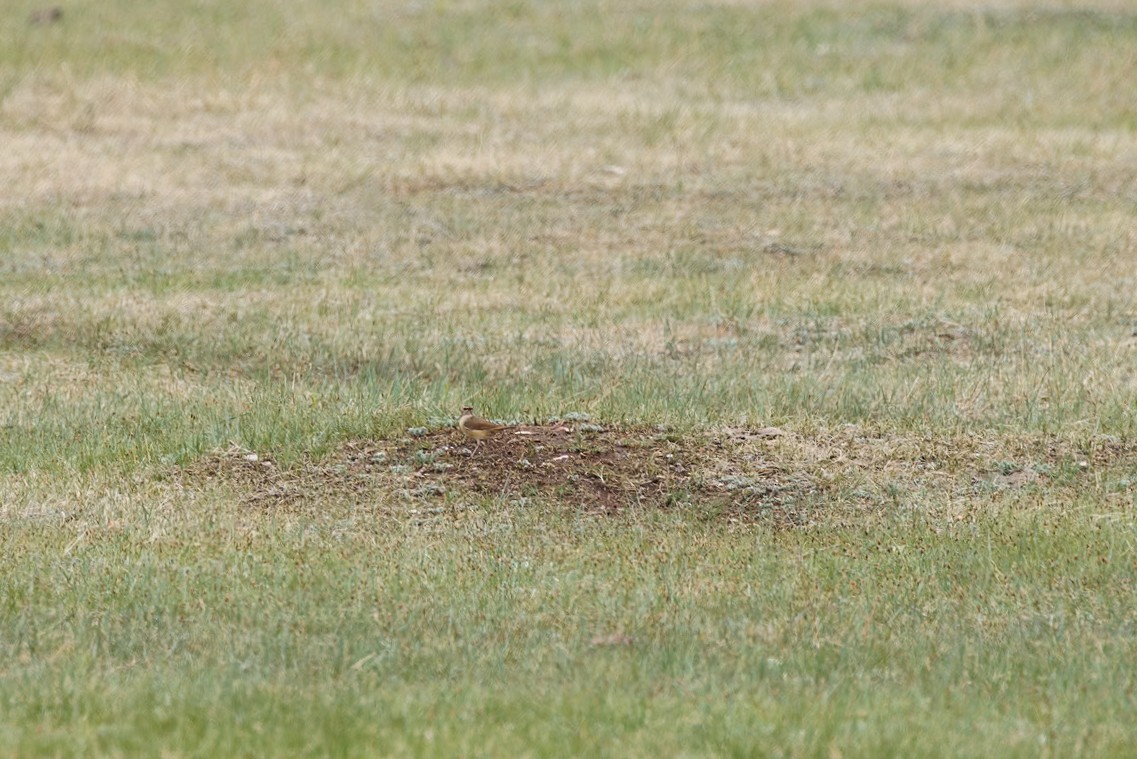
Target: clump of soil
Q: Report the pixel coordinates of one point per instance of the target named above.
(580, 465)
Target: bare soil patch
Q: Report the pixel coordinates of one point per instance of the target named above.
(734, 473)
(580, 465)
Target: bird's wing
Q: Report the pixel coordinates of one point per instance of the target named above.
(477, 423)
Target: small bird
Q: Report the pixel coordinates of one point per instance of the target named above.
(476, 428)
(46, 16)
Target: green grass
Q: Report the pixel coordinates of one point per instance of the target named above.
(471, 633)
(901, 234)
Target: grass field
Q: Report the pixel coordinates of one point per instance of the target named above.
(827, 310)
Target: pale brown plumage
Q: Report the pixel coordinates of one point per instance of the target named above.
(46, 16)
(476, 428)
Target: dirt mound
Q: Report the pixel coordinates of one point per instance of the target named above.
(580, 465)
(736, 473)
(583, 465)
